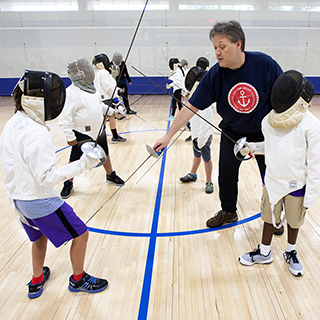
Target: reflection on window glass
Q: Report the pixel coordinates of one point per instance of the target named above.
(42, 5)
(126, 5)
(237, 7)
(295, 8)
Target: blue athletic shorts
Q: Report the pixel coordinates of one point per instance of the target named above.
(205, 151)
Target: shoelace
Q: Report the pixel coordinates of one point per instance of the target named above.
(291, 255)
(254, 252)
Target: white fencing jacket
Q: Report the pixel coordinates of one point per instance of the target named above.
(201, 129)
(292, 159)
(105, 84)
(177, 79)
(83, 112)
(28, 160)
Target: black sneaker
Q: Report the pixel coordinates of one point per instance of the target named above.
(189, 177)
(222, 217)
(188, 139)
(87, 284)
(35, 290)
(119, 139)
(129, 111)
(67, 189)
(113, 178)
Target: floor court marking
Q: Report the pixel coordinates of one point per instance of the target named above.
(153, 235)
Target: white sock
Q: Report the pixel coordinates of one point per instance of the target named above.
(264, 249)
(290, 247)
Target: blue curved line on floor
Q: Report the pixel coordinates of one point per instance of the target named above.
(127, 132)
(174, 233)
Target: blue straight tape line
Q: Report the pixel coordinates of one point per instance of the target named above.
(63, 149)
(145, 294)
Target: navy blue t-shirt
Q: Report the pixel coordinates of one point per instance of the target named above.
(242, 95)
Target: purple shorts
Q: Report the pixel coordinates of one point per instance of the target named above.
(59, 226)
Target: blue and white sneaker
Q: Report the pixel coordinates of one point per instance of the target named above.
(255, 256)
(35, 290)
(88, 284)
(295, 266)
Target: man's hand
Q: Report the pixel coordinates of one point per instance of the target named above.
(161, 143)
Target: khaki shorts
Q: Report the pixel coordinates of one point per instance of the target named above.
(294, 209)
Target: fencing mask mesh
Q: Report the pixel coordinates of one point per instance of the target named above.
(194, 74)
(184, 63)
(43, 96)
(172, 62)
(203, 63)
(288, 88)
(81, 74)
(103, 60)
(117, 58)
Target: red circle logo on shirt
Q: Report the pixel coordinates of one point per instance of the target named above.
(243, 97)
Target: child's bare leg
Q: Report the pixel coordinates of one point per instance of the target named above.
(208, 168)
(112, 123)
(107, 165)
(267, 233)
(195, 165)
(78, 252)
(292, 235)
(39, 250)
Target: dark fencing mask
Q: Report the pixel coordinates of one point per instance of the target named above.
(101, 60)
(43, 96)
(172, 62)
(290, 98)
(194, 74)
(203, 63)
(288, 88)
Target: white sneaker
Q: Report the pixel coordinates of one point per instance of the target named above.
(255, 256)
(295, 266)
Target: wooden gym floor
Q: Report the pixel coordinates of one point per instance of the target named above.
(149, 239)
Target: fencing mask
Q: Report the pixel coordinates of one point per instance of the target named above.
(173, 63)
(117, 58)
(43, 95)
(184, 63)
(194, 74)
(203, 63)
(81, 74)
(101, 61)
(290, 98)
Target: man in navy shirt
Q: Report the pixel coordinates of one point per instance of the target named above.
(240, 83)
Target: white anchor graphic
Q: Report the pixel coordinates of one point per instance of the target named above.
(243, 104)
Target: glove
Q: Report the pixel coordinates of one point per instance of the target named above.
(168, 86)
(89, 162)
(111, 112)
(119, 107)
(93, 155)
(253, 148)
